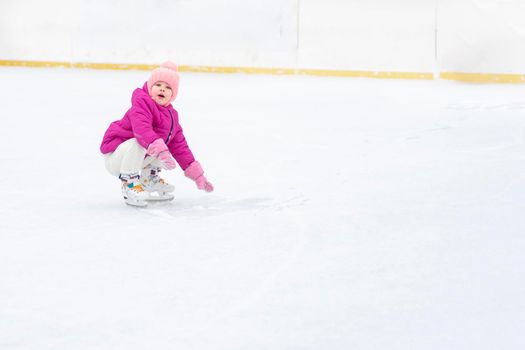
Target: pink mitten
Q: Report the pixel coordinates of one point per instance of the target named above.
(157, 147)
(166, 159)
(195, 172)
(159, 150)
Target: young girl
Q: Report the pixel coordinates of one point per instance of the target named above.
(149, 138)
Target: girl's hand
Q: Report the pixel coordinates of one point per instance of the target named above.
(157, 147)
(167, 160)
(195, 172)
(159, 150)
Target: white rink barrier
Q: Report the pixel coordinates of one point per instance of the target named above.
(475, 40)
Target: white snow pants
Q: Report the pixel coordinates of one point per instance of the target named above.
(129, 158)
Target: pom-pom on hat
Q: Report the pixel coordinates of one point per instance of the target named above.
(168, 73)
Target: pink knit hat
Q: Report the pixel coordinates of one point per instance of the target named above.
(168, 73)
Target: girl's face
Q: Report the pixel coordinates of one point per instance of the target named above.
(161, 93)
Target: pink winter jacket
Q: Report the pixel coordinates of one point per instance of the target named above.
(147, 121)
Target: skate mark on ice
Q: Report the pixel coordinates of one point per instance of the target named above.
(416, 135)
(212, 206)
(476, 106)
(296, 201)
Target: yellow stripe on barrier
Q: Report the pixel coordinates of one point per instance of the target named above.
(305, 71)
(466, 77)
(218, 69)
(53, 64)
(484, 77)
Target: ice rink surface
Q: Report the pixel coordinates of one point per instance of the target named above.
(348, 214)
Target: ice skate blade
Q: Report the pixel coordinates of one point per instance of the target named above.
(160, 197)
(135, 203)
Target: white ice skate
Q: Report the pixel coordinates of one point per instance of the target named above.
(156, 188)
(133, 192)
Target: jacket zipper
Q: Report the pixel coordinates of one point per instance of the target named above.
(171, 128)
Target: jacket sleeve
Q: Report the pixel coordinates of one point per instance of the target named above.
(141, 118)
(180, 150)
